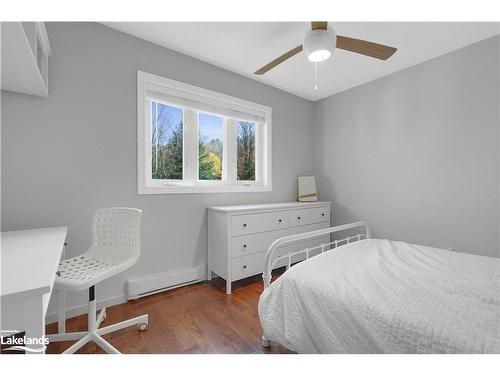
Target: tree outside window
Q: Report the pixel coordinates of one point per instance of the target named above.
(166, 141)
(210, 147)
(246, 151)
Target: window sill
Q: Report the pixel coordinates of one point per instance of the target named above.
(173, 189)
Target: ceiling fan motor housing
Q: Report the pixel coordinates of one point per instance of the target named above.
(319, 44)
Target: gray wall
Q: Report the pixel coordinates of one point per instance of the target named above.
(67, 155)
(416, 153)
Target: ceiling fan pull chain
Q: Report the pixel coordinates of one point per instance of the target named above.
(315, 75)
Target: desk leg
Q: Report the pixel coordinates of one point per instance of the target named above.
(35, 323)
(61, 315)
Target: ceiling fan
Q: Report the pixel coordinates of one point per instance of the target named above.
(320, 42)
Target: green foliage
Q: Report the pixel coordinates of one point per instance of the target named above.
(210, 159)
(168, 165)
(246, 151)
(215, 145)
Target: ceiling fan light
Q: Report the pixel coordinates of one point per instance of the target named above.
(319, 44)
(319, 55)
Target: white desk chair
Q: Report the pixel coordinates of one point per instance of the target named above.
(116, 246)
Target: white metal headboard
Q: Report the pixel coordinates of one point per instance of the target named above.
(271, 259)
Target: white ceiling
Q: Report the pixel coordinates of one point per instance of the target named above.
(243, 47)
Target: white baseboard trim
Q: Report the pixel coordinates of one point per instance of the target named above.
(159, 282)
(83, 309)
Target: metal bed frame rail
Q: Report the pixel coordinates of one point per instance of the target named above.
(271, 260)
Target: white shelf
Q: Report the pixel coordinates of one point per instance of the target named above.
(25, 52)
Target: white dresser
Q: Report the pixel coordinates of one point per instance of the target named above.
(239, 236)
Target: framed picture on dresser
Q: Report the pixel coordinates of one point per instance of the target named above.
(306, 189)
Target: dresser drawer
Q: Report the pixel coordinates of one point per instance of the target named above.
(255, 223)
(248, 265)
(255, 243)
(309, 216)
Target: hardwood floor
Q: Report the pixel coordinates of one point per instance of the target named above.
(199, 318)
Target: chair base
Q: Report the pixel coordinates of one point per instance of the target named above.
(94, 333)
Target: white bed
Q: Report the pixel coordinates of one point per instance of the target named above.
(380, 296)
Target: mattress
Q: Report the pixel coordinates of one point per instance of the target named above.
(380, 296)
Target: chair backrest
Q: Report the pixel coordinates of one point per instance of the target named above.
(117, 227)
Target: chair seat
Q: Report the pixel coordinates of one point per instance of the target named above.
(89, 268)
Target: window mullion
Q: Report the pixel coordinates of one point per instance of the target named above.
(190, 158)
(147, 140)
(224, 152)
(231, 150)
(259, 142)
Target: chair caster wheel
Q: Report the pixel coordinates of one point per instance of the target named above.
(142, 326)
(265, 342)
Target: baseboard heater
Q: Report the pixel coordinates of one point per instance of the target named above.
(160, 282)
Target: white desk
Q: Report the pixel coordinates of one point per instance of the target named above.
(29, 261)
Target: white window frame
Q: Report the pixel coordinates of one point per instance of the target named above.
(191, 183)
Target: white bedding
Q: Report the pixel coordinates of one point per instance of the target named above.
(380, 296)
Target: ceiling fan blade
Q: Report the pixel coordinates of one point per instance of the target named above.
(279, 60)
(319, 25)
(379, 51)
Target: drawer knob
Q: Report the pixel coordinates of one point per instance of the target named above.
(279, 220)
(244, 225)
(244, 246)
(245, 267)
(322, 214)
(298, 217)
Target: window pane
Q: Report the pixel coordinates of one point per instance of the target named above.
(166, 141)
(246, 151)
(210, 144)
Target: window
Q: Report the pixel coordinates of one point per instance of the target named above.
(246, 151)
(166, 141)
(192, 140)
(210, 146)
